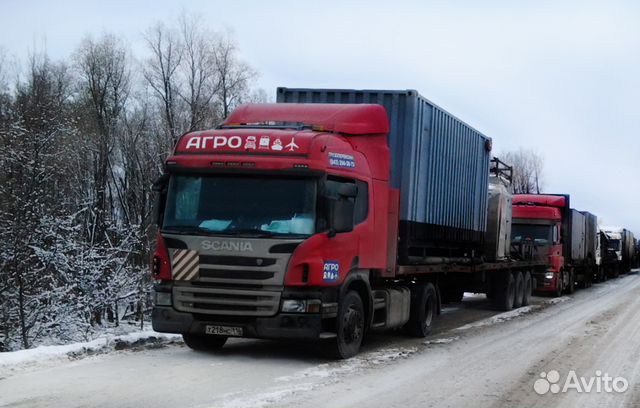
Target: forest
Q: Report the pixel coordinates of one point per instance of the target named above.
(81, 142)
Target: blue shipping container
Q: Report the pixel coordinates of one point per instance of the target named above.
(439, 163)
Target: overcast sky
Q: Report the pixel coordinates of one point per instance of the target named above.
(562, 78)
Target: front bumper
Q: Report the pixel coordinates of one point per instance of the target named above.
(543, 284)
(281, 326)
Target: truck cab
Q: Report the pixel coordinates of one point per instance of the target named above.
(614, 235)
(267, 221)
(539, 220)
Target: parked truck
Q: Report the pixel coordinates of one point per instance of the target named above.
(331, 214)
(569, 236)
(622, 241)
(606, 258)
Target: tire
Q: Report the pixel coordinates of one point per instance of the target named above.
(505, 292)
(559, 284)
(350, 327)
(571, 288)
(616, 271)
(491, 294)
(201, 342)
(424, 306)
(528, 288)
(519, 292)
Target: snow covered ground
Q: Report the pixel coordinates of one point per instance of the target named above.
(50, 355)
(476, 356)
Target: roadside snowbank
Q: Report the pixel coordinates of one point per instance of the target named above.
(506, 316)
(15, 360)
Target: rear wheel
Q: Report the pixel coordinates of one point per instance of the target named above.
(350, 326)
(519, 282)
(424, 307)
(528, 287)
(505, 291)
(203, 342)
(571, 285)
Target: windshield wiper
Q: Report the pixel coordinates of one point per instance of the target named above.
(255, 233)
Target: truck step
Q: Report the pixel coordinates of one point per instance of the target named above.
(327, 335)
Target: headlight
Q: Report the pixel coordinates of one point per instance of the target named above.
(163, 298)
(548, 275)
(301, 306)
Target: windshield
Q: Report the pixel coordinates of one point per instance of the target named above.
(614, 244)
(539, 234)
(237, 205)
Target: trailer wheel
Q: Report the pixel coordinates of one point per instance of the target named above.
(201, 342)
(519, 292)
(571, 287)
(349, 327)
(528, 287)
(505, 292)
(423, 309)
(491, 295)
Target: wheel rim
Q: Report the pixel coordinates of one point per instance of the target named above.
(352, 325)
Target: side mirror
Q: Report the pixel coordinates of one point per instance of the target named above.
(348, 190)
(342, 215)
(160, 188)
(160, 183)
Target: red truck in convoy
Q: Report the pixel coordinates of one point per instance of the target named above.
(568, 238)
(331, 214)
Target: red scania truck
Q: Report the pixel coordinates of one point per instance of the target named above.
(330, 214)
(566, 236)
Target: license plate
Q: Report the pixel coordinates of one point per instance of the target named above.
(224, 330)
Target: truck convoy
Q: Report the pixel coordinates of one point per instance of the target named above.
(333, 213)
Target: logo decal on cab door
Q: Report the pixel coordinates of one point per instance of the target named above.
(331, 271)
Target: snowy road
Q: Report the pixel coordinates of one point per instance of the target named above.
(476, 357)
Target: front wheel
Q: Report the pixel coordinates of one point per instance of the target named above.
(201, 342)
(350, 326)
(559, 284)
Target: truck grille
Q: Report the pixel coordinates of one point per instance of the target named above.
(230, 282)
(222, 301)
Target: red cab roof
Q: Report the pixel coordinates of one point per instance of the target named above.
(540, 199)
(350, 119)
(534, 212)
